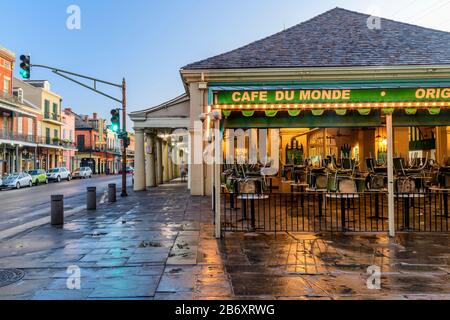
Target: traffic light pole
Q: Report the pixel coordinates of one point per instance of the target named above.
(123, 101)
(124, 150)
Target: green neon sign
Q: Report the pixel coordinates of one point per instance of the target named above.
(312, 96)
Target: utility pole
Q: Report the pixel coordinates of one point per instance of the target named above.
(124, 129)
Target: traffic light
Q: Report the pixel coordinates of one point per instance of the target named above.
(115, 120)
(25, 66)
(125, 139)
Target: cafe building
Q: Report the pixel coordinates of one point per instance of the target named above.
(337, 124)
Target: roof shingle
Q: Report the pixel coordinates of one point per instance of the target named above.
(338, 38)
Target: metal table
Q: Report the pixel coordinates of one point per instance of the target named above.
(252, 197)
(407, 202)
(344, 198)
(302, 187)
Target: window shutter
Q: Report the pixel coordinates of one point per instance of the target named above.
(19, 125)
(30, 126)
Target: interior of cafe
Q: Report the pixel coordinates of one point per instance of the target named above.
(330, 168)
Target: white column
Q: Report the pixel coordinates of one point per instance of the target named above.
(150, 167)
(139, 161)
(390, 165)
(217, 162)
(159, 170)
(169, 162)
(165, 159)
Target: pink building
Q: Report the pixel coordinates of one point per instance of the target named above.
(68, 139)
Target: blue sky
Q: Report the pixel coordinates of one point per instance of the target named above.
(148, 41)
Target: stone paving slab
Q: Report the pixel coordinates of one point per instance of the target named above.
(159, 245)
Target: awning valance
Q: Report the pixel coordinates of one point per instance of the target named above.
(337, 118)
(320, 112)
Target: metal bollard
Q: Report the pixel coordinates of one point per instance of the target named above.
(112, 192)
(91, 198)
(57, 210)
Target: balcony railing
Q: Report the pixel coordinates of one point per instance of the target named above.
(52, 116)
(56, 142)
(11, 135)
(15, 136)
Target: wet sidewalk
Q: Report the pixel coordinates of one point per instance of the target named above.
(159, 244)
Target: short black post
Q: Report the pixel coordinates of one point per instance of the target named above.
(91, 198)
(57, 210)
(112, 192)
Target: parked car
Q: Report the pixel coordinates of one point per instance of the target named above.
(59, 174)
(129, 170)
(17, 180)
(38, 176)
(82, 173)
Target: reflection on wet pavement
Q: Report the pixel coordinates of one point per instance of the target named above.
(159, 244)
(307, 266)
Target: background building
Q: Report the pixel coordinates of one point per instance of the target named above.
(68, 139)
(38, 94)
(97, 147)
(18, 122)
(114, 152)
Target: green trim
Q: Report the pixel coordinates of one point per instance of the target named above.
(317, 112)
(341, 112)
(411, 111)
(364, 112)
(226, 113)
(319, 95)
(434, 111)
(248, 113)
(331, 120)
(271, 113)
(294, 113)
(388, 110)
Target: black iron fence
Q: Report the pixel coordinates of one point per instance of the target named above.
(334, 212)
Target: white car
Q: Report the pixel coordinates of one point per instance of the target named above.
(82, 173)
(58, 174)
(17, 180)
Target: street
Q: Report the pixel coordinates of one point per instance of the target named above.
(27, 206)
(159, 244)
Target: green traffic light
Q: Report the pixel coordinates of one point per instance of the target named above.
(25, 74)
(115, 128)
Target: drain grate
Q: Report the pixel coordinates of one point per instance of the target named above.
(10, 276)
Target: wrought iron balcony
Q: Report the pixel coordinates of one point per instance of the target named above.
(15, 136)
(52, 116)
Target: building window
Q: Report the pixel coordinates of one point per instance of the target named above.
(47, 109)
(55, 133)
(47, 135)
(7, 64)
(6, 84)
(55, 110)
(80, 142)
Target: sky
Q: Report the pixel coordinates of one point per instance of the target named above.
(148, 41)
